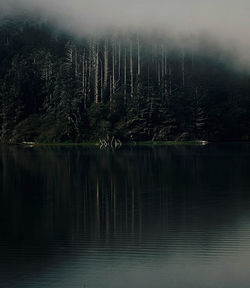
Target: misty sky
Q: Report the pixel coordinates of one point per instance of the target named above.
(226, 20)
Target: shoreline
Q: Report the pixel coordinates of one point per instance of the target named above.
(96, 144)
(125, 144)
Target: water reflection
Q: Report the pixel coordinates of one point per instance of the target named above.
(143, 217)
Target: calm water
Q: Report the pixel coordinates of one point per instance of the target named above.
(144, 217)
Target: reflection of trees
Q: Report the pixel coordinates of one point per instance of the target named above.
(51, 193)
(76, 198)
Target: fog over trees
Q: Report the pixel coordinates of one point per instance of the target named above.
(58, 84)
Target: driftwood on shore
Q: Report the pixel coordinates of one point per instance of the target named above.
(110, 142)
(29, 144)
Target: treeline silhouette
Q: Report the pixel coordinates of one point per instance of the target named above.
(135, 87)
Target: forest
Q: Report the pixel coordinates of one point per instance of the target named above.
(132, 86)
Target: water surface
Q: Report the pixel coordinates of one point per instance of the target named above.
(137, 217)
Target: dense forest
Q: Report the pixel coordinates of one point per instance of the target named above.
(133, 86)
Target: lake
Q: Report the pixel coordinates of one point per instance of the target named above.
(175, 216)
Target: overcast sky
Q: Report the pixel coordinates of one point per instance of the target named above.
(226, 20)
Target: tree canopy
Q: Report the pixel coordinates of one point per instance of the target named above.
(54, 88)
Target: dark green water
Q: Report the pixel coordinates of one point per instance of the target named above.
(163, 217)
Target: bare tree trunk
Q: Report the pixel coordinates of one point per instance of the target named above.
(162, 62)
(90, 69)
(113, 69)
(76, 63)
(170, 80)
(84, 81)
(101, 81)
(165, 76)
(138, 57)
(110, 91)
(148, 82)
(105, 65)
(159, 73)
(166, 64)
(119, 63)
(131, 70)
(96, 74)
(125, 73)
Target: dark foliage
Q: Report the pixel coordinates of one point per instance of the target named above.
(56, 89)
